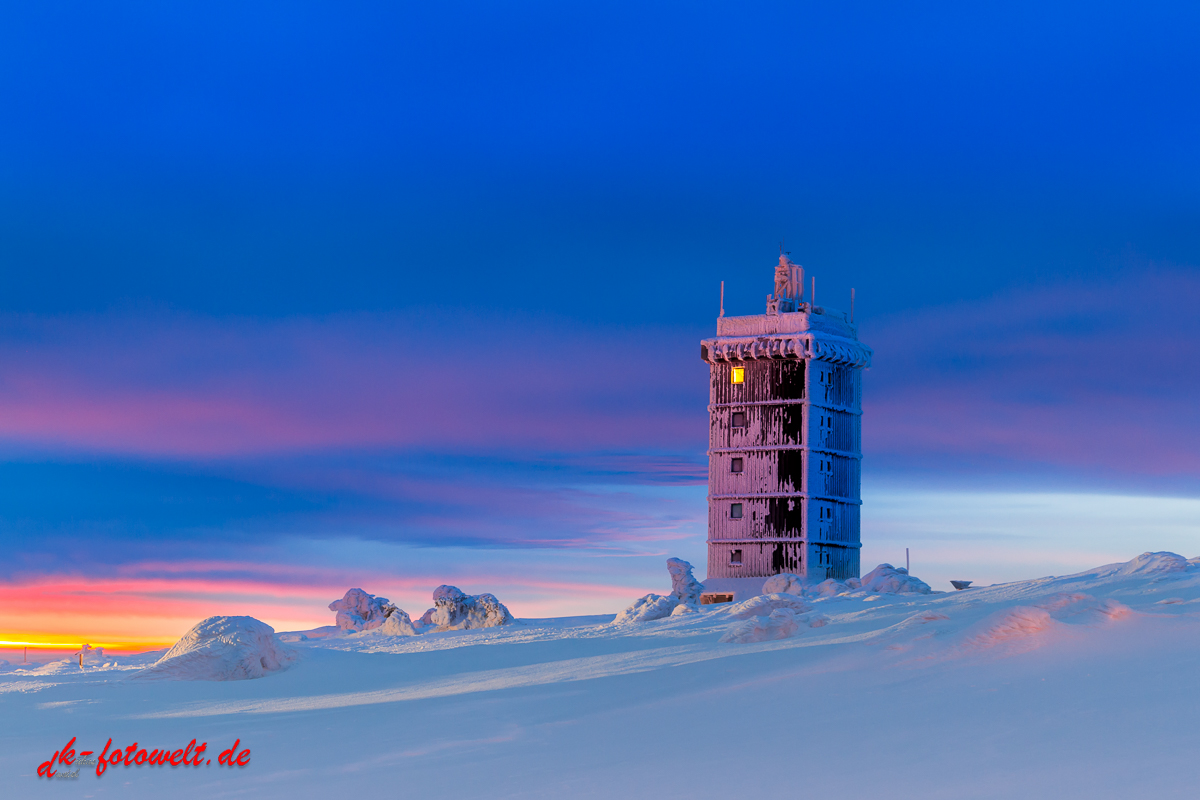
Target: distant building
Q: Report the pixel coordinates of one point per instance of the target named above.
(784, 451)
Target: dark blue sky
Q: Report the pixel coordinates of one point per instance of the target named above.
(310, 158)
(434, 275)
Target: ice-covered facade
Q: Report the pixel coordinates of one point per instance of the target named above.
(785, 409)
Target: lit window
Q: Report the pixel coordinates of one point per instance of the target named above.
(738, 419)
(735, 465)
(735, 558)
(735, 511)
(737, 375)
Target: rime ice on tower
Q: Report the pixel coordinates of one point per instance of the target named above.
(784, 443)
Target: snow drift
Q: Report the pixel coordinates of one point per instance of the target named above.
(779, 624)
(222, 649)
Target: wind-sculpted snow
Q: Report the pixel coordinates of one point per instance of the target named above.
(778, 624)
(222, 649)
(652, 606)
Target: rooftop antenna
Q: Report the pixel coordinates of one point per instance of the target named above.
(814, 293)
(852, 306)
(722, 298)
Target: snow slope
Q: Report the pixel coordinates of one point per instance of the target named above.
(1076, 686)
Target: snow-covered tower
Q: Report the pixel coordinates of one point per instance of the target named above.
(784, 452)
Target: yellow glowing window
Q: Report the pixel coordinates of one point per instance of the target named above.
(737, 375)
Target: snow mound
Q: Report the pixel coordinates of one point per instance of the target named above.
(359, 611)
(644, 609)
(831, 587)
(455, 610)
(684, 608)
(886, 579)
(222, 649)
(765, 604)
(779, 624)
(684, 586)
(784, 583)
(1153, 564)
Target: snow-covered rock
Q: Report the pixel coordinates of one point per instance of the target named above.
(684, 586)
(453, 609)
(684, 608)
(765, 604)
(886, 579)
(784, 583)
(359, 611)
(779, 624)
(222, 649)
(652, 606)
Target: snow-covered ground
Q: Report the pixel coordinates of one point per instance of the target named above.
(1065, 687)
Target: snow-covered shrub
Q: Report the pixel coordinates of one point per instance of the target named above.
(779, 624)
(684, 586)
(886, 579)
(784, 583)
(652, 606)
(764, 604)
(453, 609)
(222, 649)
(359, 611)
(398, 623)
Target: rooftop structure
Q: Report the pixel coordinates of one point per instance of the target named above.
(784, 454)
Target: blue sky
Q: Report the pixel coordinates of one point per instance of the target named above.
(329, 278)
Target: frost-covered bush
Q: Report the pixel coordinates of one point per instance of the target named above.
(222, 649)
(684, 586)
(454, 609)
(359, 611)
(398, 623)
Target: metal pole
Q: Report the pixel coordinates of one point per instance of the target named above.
(814, 293)
(722, 298)
(851, 306)
(906, 566)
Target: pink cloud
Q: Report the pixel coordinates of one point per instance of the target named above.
(191, 386)
(1091, 377)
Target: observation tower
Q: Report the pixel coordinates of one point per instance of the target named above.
(784, 442)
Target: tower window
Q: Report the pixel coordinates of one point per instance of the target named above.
(737, 375)
(735, 511)
(739, 419)
(736, 465)
(735, 558)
